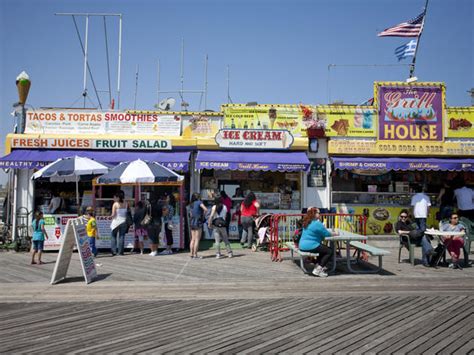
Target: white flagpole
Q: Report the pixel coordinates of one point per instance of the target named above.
(413, 62)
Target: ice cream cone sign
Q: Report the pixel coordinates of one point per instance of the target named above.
(23, 84)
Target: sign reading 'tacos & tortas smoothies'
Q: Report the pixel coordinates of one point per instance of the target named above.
(254, 139)
(410, 112)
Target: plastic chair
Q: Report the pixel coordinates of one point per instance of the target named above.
(469, 225)
(409, 245)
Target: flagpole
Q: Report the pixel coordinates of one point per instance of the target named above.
(413, 62)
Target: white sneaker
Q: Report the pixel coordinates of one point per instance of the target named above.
(218, 256)
(153, 253)
(230, 255)
(319, 271)
(164, 252)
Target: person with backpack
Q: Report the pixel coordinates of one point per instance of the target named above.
(217, 221)
(39, 234)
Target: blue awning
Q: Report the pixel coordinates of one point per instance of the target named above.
(436, 164)
(246, 161)
(37, 158)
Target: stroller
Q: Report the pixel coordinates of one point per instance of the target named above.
(262, 231)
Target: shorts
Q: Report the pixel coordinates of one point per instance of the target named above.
(38, 245)
(153, 232)
(196, 223)
(141, 233)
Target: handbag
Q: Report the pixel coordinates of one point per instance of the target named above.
(146, 220)
(219, 222)
(128, 218)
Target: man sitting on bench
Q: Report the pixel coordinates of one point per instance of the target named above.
(314, 233)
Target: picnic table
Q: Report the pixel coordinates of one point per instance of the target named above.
(355, 241)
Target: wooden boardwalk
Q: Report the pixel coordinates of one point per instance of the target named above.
(247, 304)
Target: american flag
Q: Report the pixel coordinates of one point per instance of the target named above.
(411, 28)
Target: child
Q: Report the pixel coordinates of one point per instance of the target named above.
(39, 233)
(91, 229)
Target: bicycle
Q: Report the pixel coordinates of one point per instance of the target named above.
(23, 237)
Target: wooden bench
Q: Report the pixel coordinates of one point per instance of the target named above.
(374, 251)
(302, 254)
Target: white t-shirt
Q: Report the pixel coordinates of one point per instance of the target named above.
(420, 203)
(464, 197)
(55, 204)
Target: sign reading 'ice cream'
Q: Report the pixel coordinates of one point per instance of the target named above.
(254, 139)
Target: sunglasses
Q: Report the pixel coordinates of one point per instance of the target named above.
(403, 216)
(454, 217)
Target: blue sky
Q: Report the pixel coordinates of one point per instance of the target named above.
(278, 51)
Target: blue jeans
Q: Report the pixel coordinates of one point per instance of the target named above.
(118, 247)
(421, 223)
(92, 245)
(425, 249)
(247, 234)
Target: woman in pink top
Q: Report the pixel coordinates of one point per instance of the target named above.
(249, 209)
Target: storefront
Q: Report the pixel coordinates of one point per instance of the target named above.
(383, 154)
(108, 137)
(262, 149)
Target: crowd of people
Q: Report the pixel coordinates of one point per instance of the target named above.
(152, 215)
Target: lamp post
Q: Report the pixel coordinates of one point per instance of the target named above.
(23, 85)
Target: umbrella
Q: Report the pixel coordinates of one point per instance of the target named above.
(69, 169)
(139, 171)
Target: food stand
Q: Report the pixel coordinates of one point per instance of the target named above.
(106, 186)
(383, 154)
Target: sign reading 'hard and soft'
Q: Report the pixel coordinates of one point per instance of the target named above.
(254, 139)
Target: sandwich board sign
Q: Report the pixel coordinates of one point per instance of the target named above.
(75, 235)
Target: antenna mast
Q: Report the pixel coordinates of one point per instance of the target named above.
(181, 91)
(85, 51)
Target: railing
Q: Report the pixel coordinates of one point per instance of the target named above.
(283, 227)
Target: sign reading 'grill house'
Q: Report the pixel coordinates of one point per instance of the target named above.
(254, 139)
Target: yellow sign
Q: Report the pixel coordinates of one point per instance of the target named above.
(400, 148)
(460, 122)
(381, 220)
(352, 122)
(289, 117)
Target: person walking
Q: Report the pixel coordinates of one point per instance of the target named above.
(227, 202)
(197, 217)
(217, 221)
(421, 205)
(140, 231)
(314, 232)
(168, 213)
(154, 228)
(249, 209)
(119, 225)
(445, 201)
(39, 235)
(91, 229)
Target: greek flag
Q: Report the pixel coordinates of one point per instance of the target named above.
(407, 50)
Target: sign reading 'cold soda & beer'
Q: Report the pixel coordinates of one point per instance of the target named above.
(410, 113)
(254, 139)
